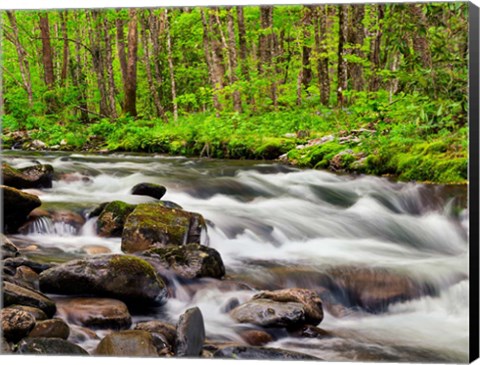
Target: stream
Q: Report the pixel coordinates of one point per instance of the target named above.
(276, 227)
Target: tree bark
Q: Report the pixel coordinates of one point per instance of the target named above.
(420, 42)
(122, 57)
(78, 76)
(64, 72)
(109, 67)
(375, 49)
(171, 67)
(322, 53)
(342, 76)
(305, 74)
(47, 52)
(131, 81)
(157, 27)
(266, 49)
(242, 41)
(22, 57)
(356, 35)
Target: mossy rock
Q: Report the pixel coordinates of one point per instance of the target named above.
(272, 148)
(112, 218)
(189, 261)
(127, 278)
(153, 225)
(17, 205)
(129, 343)
(37, 176)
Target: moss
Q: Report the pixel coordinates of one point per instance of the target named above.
(132, 265)
(272, 148)
(112, 219)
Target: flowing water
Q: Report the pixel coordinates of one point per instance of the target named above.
(278, 227)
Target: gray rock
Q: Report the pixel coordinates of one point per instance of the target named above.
(188, 261)
(167, 331)
(128, 343)
(16, 262)
(14, 294)
(48, 346)
(268, 313)
(16, 324)
(152, 225)
(148, 189)
(36, 177)
(16, 206)
(98, 313)
(127, 278)
(190, 334)
(260, 353)
(51, 328)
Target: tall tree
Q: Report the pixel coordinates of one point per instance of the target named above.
(171, 67)
(65, 55)
(111, 90)
(130, 104)
(355, 38)
(375, 47)
(305, 73)
(266, 49)
(321, 14)
(342, 77)
(47, 51)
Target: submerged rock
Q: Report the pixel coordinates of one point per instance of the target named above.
(14, 294)
(127, 278)
(16, 324)
(189, 261)
(148, 189)
(129, 343)
(96, 313)
(36, 177)
(16, 207)
(152, 225)
(112, 218)
(268, 313)
(260, 353)
(311, 302)
(51, 328)
(190, 333)
(49, 346)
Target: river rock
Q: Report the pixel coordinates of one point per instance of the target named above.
(55, 327)
(148, 189)
(16, 324)
(36, 177)
(310, 331)
(311, 302)
(152, 225)
(48, 346)
(38, 314)
(260, 353)
(128, 343)
(8, 249)
(112, 218)
(27, 277)
(268, 313)
(17, 262)
(14, 294)
(79, 334)
(190, 333)
(16, 207)
(189, 261)
(256, 337)
(96, 313)
(166, 330)
(127, 278)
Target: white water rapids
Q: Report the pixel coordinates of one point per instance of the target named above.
(278, 226)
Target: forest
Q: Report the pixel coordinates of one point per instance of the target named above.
(370, 89)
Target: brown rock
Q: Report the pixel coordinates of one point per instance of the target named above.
(167, 330)
(128, 343)
(256, 337)
(16, 324)
(38, 314)
(55, 327)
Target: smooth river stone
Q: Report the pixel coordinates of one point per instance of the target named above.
(95, 312)
(128, 343)
(14, 294)
(48, 346)
(190, 333)
(16, 324)
(260, 353)
(52, 328)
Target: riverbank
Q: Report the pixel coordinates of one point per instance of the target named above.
(402, 141)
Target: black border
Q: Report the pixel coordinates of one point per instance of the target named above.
(474, 100)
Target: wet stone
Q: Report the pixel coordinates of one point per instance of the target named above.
(49, 346)
(55, 327)
(190, 334)
(16, 324)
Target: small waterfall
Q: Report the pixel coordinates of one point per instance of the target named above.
(46, 226)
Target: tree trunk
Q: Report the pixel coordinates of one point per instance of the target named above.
(342, 62)
(266, 49)
(305, 74)
(322, 53)
(63, 74)
(232, 51)
(156, 26)
(22, 57)
(122, 57)
(109, 68)
(78, 76)
(356, 35)
(375, 49)
(131, 81)
(242, 41)
(171, 68)
(420, 42)
(47, 52)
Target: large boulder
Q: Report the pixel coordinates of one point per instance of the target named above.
(127, 278)
(260, 353)
(14, 294)
(52, 328)
(48, 346)
(98, 313)
(268, 313)
(188, 261)
(148, 189)
(312, 304)
(36, 177)
(190, 333)
(153, 225)
(16, 206)
(16, 324)
(112, 218)
(129, 343)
